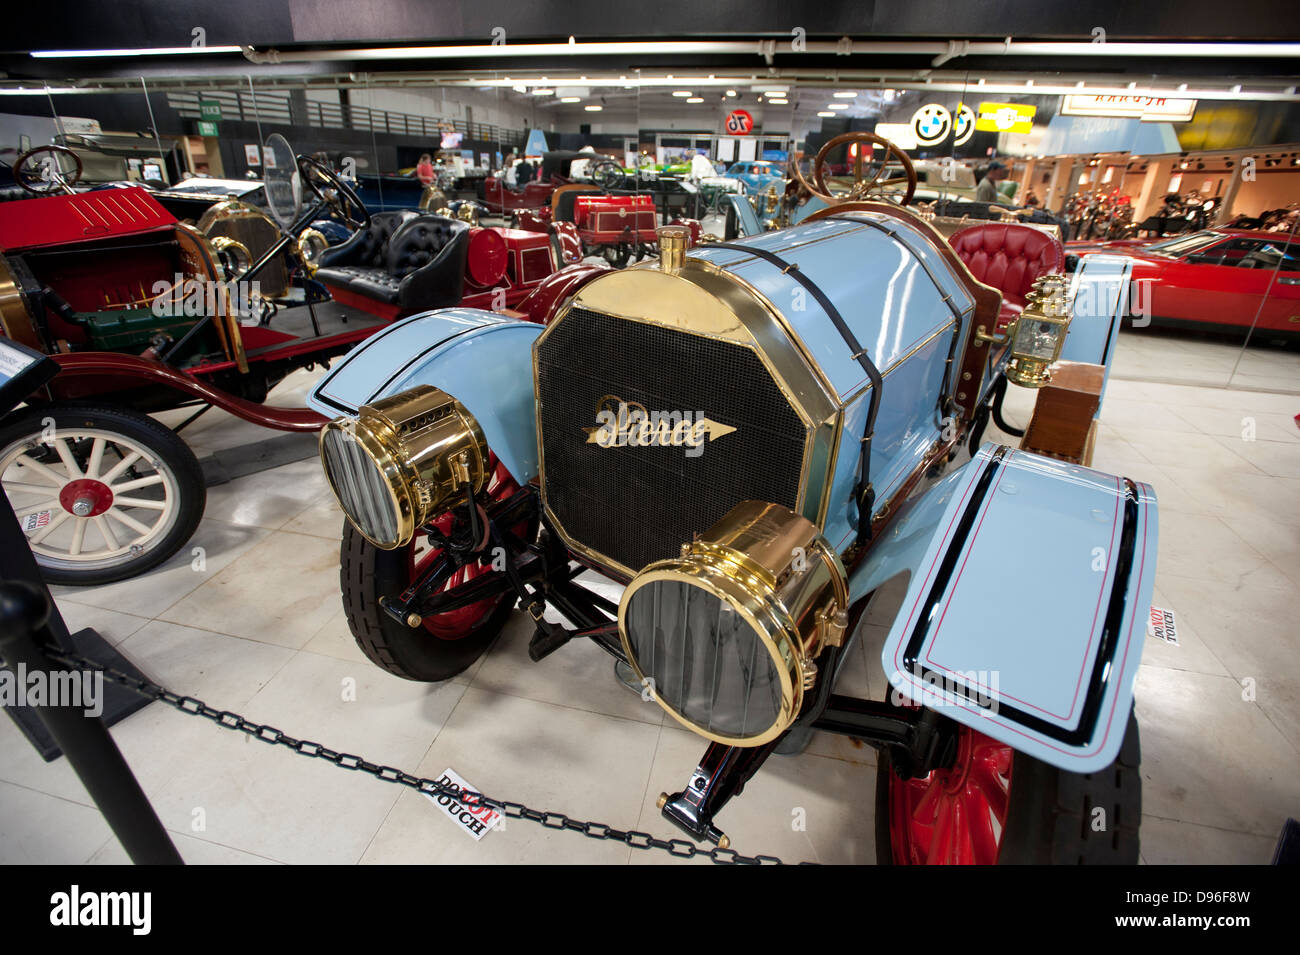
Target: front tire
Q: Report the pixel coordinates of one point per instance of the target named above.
(445, 644)
(998, 806)
(102, 493)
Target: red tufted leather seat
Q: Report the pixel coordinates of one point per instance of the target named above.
(1008, 257)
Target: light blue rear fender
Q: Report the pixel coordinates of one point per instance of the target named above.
(1028, 602)
(482, 359)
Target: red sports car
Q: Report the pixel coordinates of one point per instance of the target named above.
(1212, 279)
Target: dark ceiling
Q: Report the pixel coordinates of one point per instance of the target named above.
(313, 24)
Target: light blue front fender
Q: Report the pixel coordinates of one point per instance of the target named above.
(1028, 603)
(482, 359)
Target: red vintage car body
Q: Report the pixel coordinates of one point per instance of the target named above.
(503, 267)
(110, 249)
(1219, 278)
(498, 197)
(610, 220)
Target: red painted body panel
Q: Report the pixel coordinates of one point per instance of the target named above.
(545, 301)
(64, 220)
(603, 220)
(488, 258)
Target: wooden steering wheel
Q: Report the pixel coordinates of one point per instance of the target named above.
(867, 171)
(45, 177)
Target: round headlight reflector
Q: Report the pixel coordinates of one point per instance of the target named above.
(725, 635)
(403, 461)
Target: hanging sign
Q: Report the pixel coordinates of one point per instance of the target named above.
(738, 123)
(1005, 118)
(931, 124)
(1149, 109)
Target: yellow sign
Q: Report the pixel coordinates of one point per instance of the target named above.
(1005, 118)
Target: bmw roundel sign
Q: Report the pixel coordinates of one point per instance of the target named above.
(931, 124)
(739, 123)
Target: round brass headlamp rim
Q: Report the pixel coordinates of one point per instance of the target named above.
(703, 572)
(379, 453)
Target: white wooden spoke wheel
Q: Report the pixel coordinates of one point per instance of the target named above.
(100, 493)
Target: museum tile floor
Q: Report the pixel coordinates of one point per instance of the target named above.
(258, 629)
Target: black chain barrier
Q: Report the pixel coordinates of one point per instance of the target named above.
(680, 848)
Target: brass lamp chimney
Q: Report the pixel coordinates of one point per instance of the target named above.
(673, 240)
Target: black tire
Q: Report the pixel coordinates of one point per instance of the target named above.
(367, 573)
(617, 255)
(1050, 813)
(172, 454)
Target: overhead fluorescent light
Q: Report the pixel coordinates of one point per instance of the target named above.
(731, 92)
(826, 113)
(570, 99)
(695, 99)
(144, 51)
(543, 92)
(779, 102)
(838, 106)
(593, 109)
(683, 93)
(845, 94)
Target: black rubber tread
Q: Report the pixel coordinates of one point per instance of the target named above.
(132, 424)
(1050, 813)
(367, 573)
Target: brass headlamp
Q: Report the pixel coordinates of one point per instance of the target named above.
(725, 636)
(1038, 334)
(403, 461)
(310, 246)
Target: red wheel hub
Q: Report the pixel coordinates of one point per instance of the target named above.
(953, 816)
(85, 497)
(460, 623)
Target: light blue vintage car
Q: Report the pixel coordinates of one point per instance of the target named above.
(757, 175)
(753, 438)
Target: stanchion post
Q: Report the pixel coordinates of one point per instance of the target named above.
(24, 629)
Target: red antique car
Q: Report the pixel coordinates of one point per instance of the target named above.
(407, 262)
(1214, 279)
(589, 220)
(500, 198)
(135, 308)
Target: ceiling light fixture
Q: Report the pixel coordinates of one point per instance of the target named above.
(838, 106)
(543, 92)
(826, 113)
(845, 94)
(683, 93)
(146, 51)
(593, 109)
(695, 99)
(570, 99)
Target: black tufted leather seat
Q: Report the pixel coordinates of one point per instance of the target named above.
(412, 260)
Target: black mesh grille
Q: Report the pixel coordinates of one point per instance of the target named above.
(640, 504)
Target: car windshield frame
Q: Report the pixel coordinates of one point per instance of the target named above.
(1185, 245)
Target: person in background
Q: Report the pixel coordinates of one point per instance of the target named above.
(424, 169)
(987, 190)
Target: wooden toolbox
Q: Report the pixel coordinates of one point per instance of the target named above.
(1063, 425)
